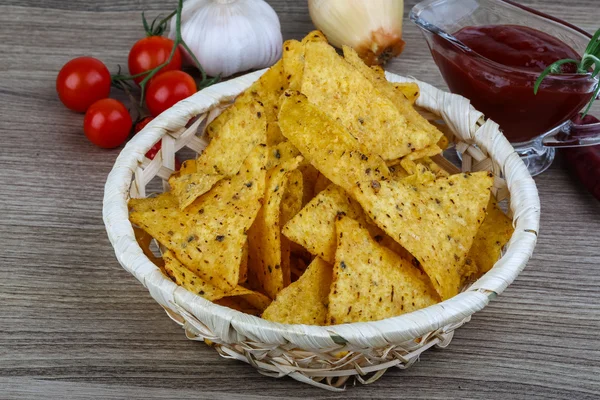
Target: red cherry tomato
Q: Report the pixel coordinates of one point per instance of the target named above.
(155, 149)
(81, 82)
(167, 89)
(142, 124)
(107, 123)
(149, 52)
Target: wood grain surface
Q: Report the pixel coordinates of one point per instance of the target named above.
(74, 325)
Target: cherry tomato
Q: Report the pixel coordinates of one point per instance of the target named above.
(167, 89)
(107, 123)
(142, 124)
(155, 149)
(81, 82)
(149, 52)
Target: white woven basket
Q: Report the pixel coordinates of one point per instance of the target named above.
(322, 356)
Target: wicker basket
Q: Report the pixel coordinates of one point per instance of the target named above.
(322, 356)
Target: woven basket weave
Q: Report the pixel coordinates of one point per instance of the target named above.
(322, 356)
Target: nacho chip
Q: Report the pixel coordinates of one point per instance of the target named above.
(371, 282)
(309, 180)
(188, 167)
(495, 231)
(321, 183)
(244, 265)
(409, 90)
(435, 221)
(245, 303)
(424, 164)
(428, 151)
(293, 63)
(397, 172)
(314, 36)
(192, 282)
(469, 270)
(267, 89)
(265, 266)
(376, 75)
(225, 153)
(304, 301)
(403, 96)
(297, 267)
(314, 226)
(443, 143)
(209, 236)
(257, 300)
(379, 71)
(344, 94)
(291, 204)
(281, 153)
(326, 144)
(189, 280)
(144, 240)
(228, 149)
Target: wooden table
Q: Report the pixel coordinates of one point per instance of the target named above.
(73, 324)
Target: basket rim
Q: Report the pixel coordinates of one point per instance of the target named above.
(485, 134)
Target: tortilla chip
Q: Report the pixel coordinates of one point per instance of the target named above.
(344, 94)
(188, 167)
(495, 231)
(304, 301)
(265, 266)
(423, 165)
(291, 204)
(297, 267)
(321, 183)
(326, 144)
(280, 153)
(428, 151)
(144, 240)
(409, 90)
(241, 304)
(469, 270)
(189, 280)
(293, 63)
(267, 89)
(228, 149)
(444, 142)
(209, 236)
(397, 172)
(309, 180)
(192, 282)
(435, 220)
(403, 96)
(244, 265)
(371, 282)
(376, 75)
(314, 226)
(225, 153)
(379, 71)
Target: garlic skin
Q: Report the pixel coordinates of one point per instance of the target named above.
(230, 36)
(371, 27)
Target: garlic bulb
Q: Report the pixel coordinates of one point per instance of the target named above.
(230, 36)
(372, 27)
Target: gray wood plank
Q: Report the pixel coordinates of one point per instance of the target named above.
(73, 324)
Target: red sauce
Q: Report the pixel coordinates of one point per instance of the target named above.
(499, 73)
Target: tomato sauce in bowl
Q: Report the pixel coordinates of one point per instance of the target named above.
(497, 70)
